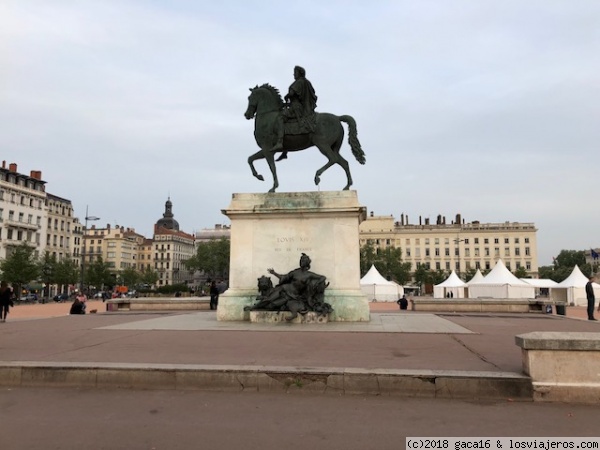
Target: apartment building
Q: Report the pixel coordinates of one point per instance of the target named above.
(457, 245)
(23, 215)
(117, 246)
(171, 248)
(62, 240)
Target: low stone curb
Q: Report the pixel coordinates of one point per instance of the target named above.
(338, 381)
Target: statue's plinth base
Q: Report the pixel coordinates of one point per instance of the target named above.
(273, 230)
(274, 317)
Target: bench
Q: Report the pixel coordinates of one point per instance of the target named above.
(158, 304)
(482, 305)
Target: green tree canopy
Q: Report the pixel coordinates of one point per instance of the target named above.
(98, 274)
(20, 267)
(564, 264)
(66, 272)
(212, 258)
(47, 268)
(148, 276)
(388, 262)
(129, 277)
(521, 272)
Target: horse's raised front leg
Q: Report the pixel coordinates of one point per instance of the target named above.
(251, 159)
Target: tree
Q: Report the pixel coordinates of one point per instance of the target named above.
(130, 276)
(422, 275)
(367, 258)
(98, 274)
(469, 273)
(20, 267)
(388, 262)
(66, 272)
(564, 264)
(438, 276)
(521, 272)
(148, 276)
(212, 258)
(47, 267)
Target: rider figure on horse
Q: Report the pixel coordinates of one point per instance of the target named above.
(301, 102)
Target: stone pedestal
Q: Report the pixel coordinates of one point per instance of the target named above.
(273, 230)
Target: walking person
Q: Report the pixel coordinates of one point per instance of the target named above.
(214, 295)
(591, 298)
(5, 300)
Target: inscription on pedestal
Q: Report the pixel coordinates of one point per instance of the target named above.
(289, 244)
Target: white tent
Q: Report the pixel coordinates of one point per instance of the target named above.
(540, 282)
(375, 287)
(500, 283)
(476, 278)
(452, 285)
(572, 289)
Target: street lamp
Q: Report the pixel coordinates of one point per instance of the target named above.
(92, 218)
(457, 241)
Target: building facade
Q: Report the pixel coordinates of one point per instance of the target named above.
(171, 248)
(457, 246)
(23, 212)
(62, 240)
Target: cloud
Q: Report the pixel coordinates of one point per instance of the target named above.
(485, 109)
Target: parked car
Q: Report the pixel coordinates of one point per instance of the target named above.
(61, 297)
(28, 298)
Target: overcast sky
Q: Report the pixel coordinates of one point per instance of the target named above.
(486, 108)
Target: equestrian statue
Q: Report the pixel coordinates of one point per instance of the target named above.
(294, 125)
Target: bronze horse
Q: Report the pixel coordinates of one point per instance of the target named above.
(265, 105)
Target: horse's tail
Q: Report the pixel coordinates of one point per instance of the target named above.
(357, 151)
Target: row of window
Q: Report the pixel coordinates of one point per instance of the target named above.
(21, 235)
(20, 181)
(24, 200)
(467, 252)
(62, 225)
(21, 217)
(436, 241)
(487, 265)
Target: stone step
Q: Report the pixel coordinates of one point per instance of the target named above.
(338, 381)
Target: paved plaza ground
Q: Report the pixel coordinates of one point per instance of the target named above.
(80, 417)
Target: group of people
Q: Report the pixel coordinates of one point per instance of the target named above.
(79, 304)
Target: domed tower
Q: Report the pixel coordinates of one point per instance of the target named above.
(167, 220)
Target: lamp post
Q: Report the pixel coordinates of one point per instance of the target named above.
(457, 241)
(87, 218)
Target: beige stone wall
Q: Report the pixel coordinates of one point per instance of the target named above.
(483, 244)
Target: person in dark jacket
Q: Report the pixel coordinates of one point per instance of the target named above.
(77, 307)
(214, 295)
(403, 302)
(591, 298)
(5, 300)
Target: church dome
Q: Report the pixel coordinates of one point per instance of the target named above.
(168, 220)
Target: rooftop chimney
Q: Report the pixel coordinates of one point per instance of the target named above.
(12, 167)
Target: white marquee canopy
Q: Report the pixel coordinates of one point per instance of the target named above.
(500, 283)
(572, 289)
(452, 285)
(377, 288)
